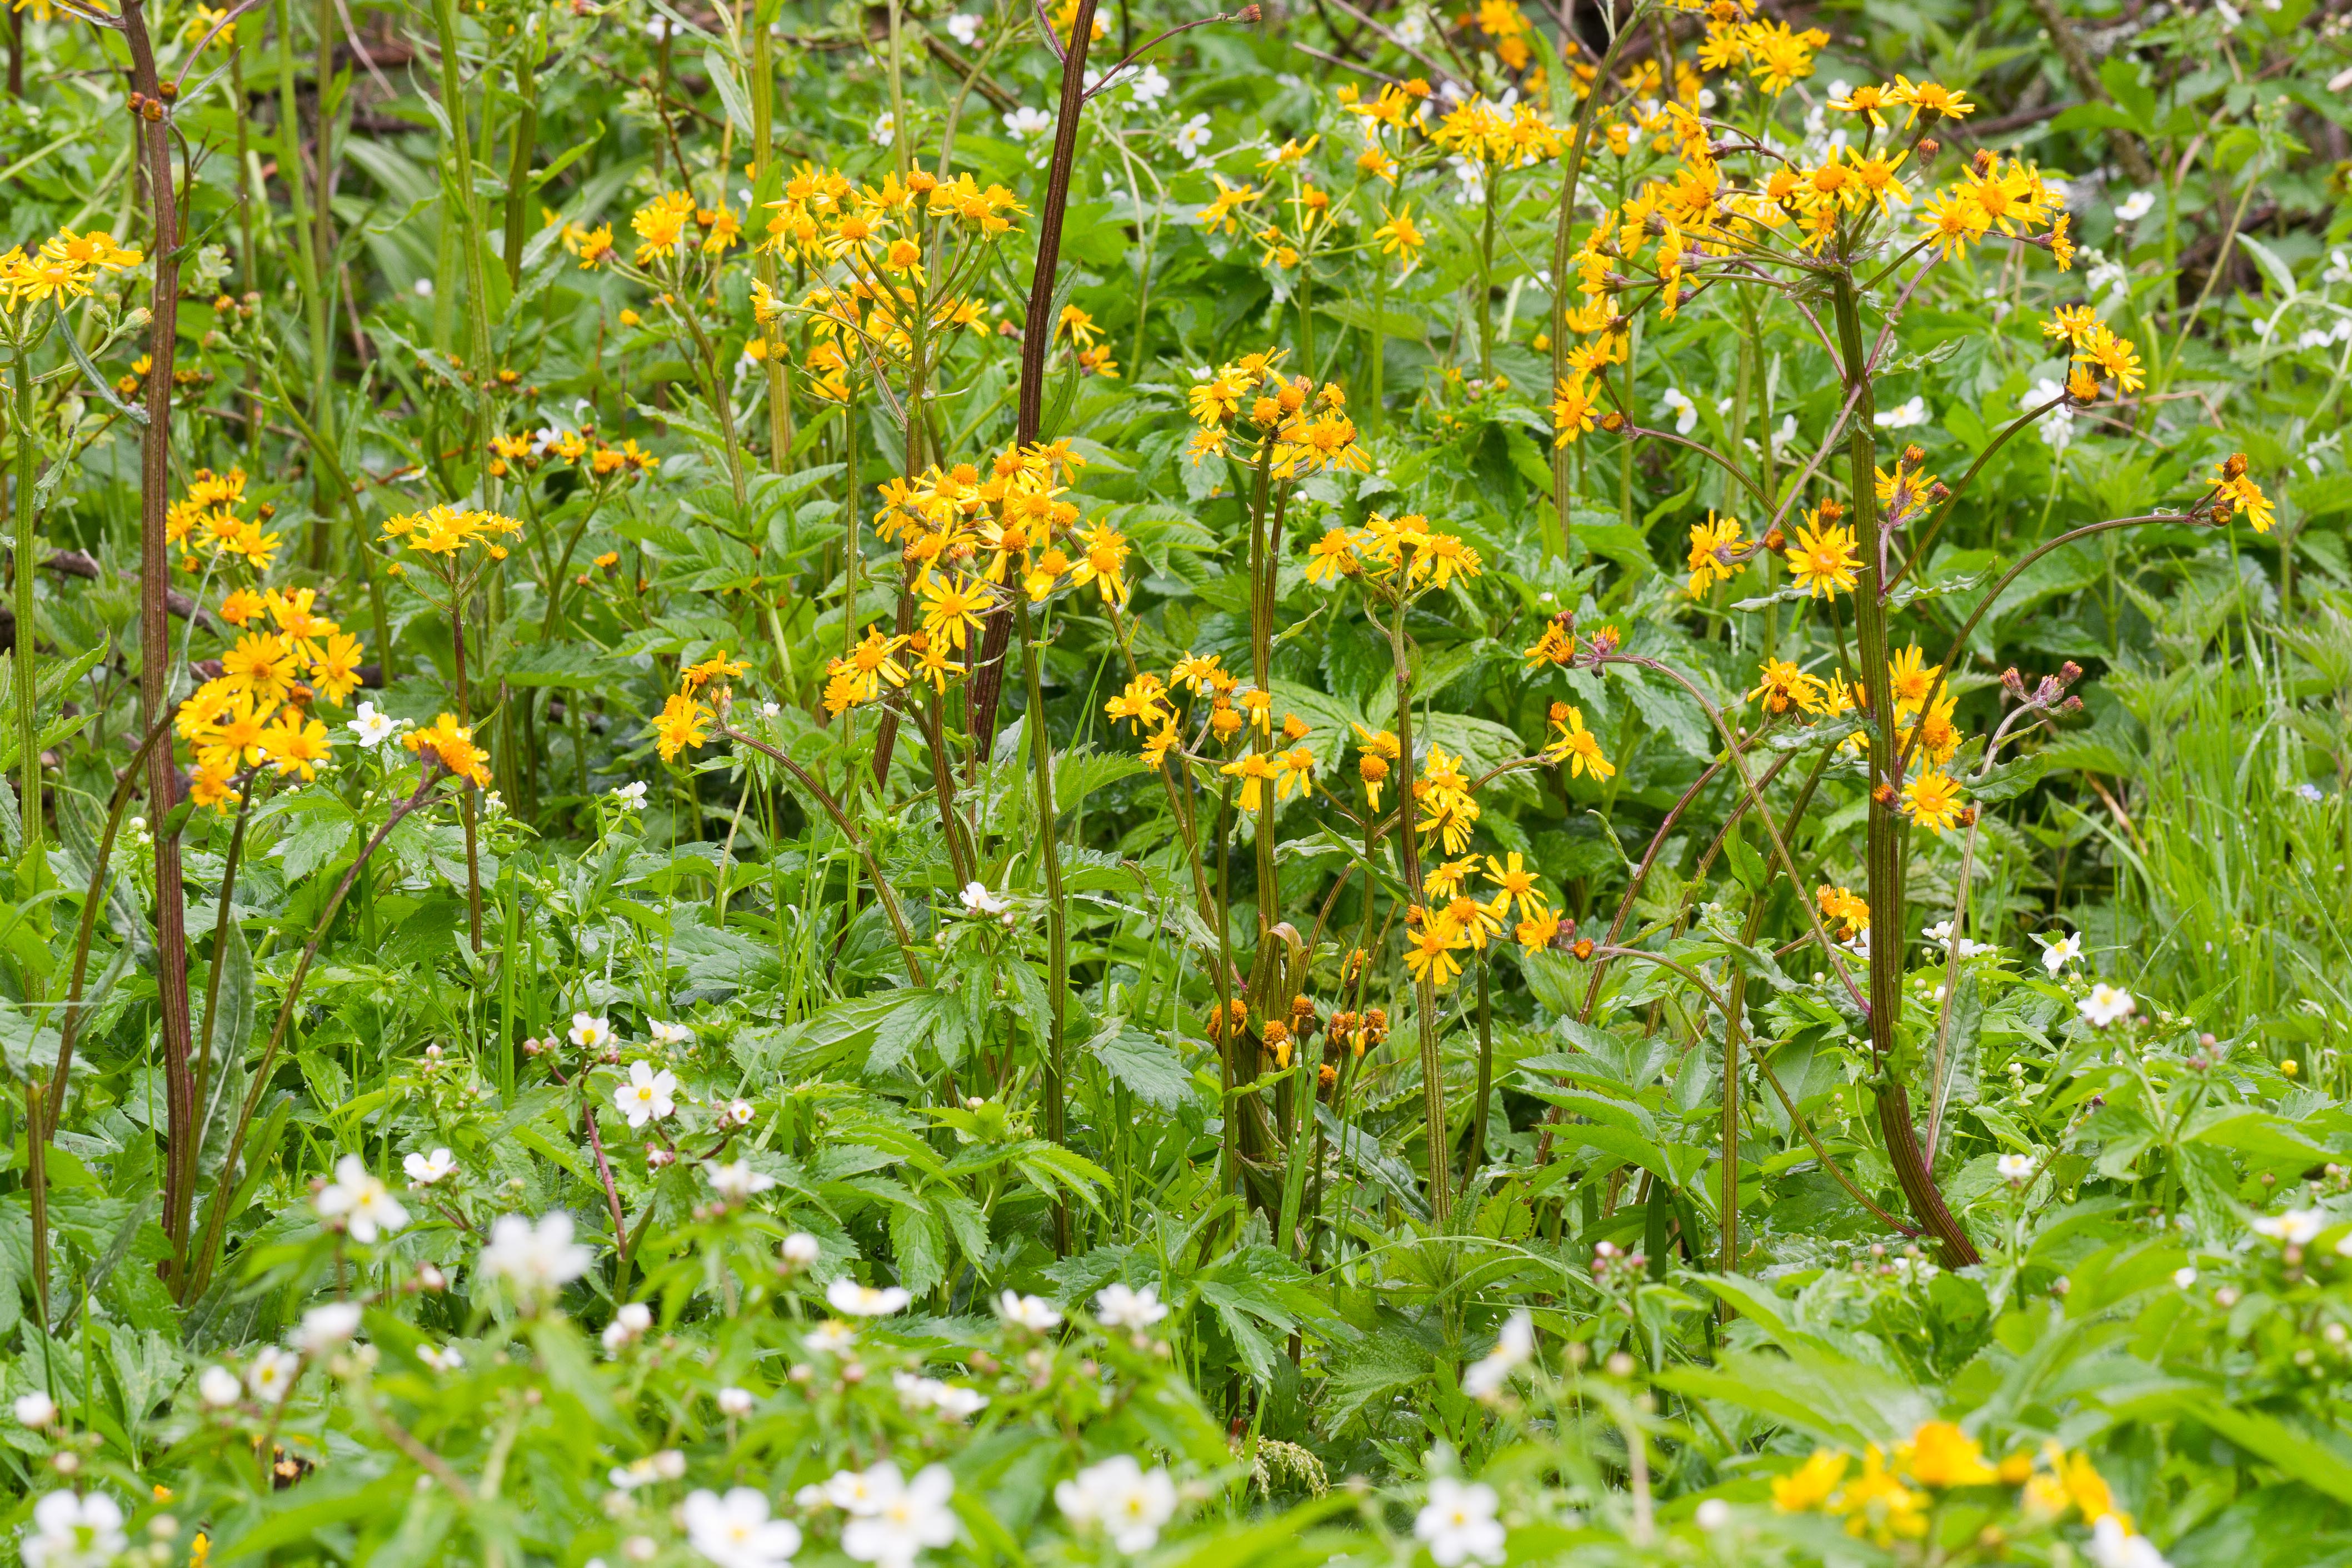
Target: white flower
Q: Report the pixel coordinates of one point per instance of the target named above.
(1712, 1515)
(735, 1530)
(1193, 137)
(832, 1337)
(628, 1325)
(977, 899)
(801, 1250)
(424, 1170)
(374, 726)
(740, 1112)
(1903, 416)
(2057, 426)
(2105, 1004)
(1026, 123)
(2135, 207)
(35, 1409)
(1121, 1497)
(2295, 1227)
(1940, 933)
(901, 1518)
(271, 1374)
(964, 28)
(1121, 1308)
(2107, 278)
(649, 1095)
(2016, 1169)
(589, 1032)
(2113, 1544)
(1514, 1347)
(71, 1531)
(424, 288)
(1033, 1312)
(846, 1295)
(737, 1181)
(364, 1204)
(534, 1258)
(441, 1358)
(630, 796)
(2185, 1276)
(1459, 1524)
(886, 128)
(735, 1402)
(1685, 411)
(1412, 30)
(1150, 86)
(326, 1327)
(957, 1403)
(2057, 955)
(219, 1388)
(668, 1033)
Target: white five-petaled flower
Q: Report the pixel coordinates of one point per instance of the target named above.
(424, 1170)
(1026, 123)
(2295, 1227)
(534, 1259)
(2114, 1545)
(1033, 1312)
(1712, 1515)
(1193, 137)
(740, 1112)
(1150, 86)
(2067, 950)
(218, 1387)
(2016, 1169)
(326, 1327)
(649, 1095)
(364, 1204)
(901, 1518)
(1685, 411)
(2106, 1005)
(886, 128)
(35, 1409)
(1459, 1525)
(1514, 1347)
(628, 1326)
(846, 1295)
(735, 1530)
(2185, 1276)
(1120, 1497)
(374, 726)
(832, 1337)
(1903, 416)
(669, 1034)
(271, 1374)
(441, 1358)
(977, 900)
(2135, 207)
(1121, 1308)
(800, 1249)
(71, 1531)
(951, 1399)
(735, 1401)
(630, 796)
(964, 28)
(737, 1181)
(589, 1032)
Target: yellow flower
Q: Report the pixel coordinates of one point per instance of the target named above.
(1577, 746)
(1909, 676)
(296, 745)
(1823, 561)
(1843, 909)
(680, 724)
(1430, 945)
(1933, 800)
(1256, 771)
(261, 664)
(1518, 885)
(452, 744)
(1571, 411)
(1808, 1485)
(1714, 552)
(1940, 1455)
(1781, 684)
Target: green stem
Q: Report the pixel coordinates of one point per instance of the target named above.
(1057, 939)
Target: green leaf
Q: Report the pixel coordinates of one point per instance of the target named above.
(1148, 1070)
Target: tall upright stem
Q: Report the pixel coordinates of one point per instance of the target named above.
(1057, 936)
(28, 750)
(1883, 845)
(1433, 1080)
(1037, 338)
(155, 672)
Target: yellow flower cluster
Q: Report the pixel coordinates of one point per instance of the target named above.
(61, 269)
(448, 530)
(1250, 410)
(1385, 546)
(452, 745)
(1454, 921)
(1480, 133)
(684, 719)
(204, 526)
(1890, 1499)
(2095, 352)
(572, 447)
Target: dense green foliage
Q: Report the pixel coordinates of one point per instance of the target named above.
(608, 956)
